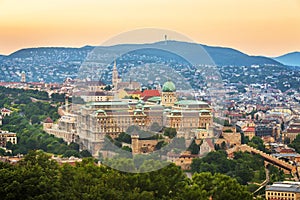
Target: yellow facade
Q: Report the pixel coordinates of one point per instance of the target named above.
(98, 119)
(6, 136)
(283, 190)
(168, 99)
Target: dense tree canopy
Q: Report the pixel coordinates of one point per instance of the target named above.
(30, 108)
(170, 132)
(258, 143)
(38, 177)
(296, 144)
(242, 167)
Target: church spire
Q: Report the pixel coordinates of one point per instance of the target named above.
(115, 64)
(115, 76)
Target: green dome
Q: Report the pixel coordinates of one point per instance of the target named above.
(139, 106)
(169, 87)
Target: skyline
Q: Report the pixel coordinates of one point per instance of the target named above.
(269, 28)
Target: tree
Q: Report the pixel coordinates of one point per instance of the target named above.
(2, 152)
(155, 127)
(170, 132)
(39, 177)
(221, 187)
(287, 140)
(58, 97)
(34, 119)
(123, 137)
(133, 129)
(126, 148)
(223, 146)
(194, 148)
(34, 177)
(275, 174)
(244, 173)
(242, 167)
(85, 154)
(160, 144)
(77, 100)
(9, 145)
(107, 88)
(70, 153)
(74, 146)
(282, 126)
(244, 139)
(296, 144)
(258, 143)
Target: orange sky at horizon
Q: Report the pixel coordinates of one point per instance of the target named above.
(255, 27)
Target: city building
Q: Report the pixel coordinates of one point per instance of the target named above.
(183, 160)
(283, 190)
(90, 122)
(263, 130)
(229, 136)
(207, 146)
(5, 112)
(168, 95)
(6, 136)
(23, 77)
(292, 130)
(142, 146)
(115, 77)
(65, 128)
(247, 127)
(95, 96)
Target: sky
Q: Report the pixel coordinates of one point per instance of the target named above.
(255, 27)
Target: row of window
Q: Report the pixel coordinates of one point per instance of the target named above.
(280, 194)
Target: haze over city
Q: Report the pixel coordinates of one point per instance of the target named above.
(269, 28)
(115, 99)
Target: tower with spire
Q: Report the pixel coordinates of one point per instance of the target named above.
(23, 77)
(115, 76)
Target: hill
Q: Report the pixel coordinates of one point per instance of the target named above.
(54, 64)
(228, 56)
(291, 59)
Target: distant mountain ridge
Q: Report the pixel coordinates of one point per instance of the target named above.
(55, 64)
(222, 56)
(228, 56)
(291, 59)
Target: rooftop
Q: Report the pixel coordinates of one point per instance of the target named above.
(169, 87)
(48, 120)
(190, 102)
(107, 103)
(154, 99)
(284, 187)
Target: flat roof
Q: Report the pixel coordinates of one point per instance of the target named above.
(284, 187)
(106, 103)
(190, 102)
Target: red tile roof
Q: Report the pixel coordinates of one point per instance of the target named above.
(48, 120)
(293, 131)
(134, 92)
(5, 110)
(150, 93)
(249, 129)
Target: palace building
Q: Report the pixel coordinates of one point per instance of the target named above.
(96, 119)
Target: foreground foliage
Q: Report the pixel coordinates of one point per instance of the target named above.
(37, 177)
(243, 167)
